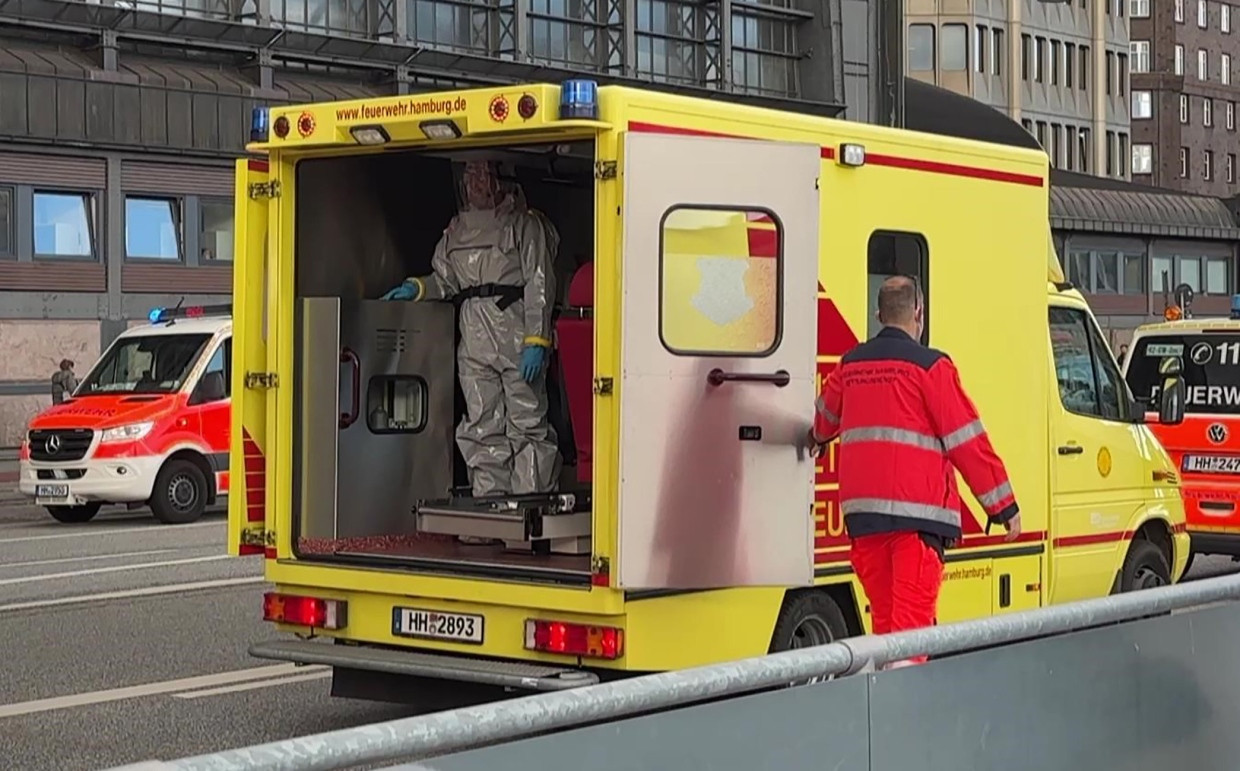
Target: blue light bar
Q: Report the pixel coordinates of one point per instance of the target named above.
(1235, 306)
(579, 100)
(158, 315)
(258, 125)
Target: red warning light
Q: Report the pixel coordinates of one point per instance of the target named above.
(527, 105)
(280, 126)
(305, 124)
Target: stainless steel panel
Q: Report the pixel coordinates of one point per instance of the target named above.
(381, 475)
(317, 411)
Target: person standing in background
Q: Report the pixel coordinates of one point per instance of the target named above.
(64, 382)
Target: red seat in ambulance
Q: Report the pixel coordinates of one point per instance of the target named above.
(575, 332)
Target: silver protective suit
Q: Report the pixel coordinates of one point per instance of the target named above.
(505, 438)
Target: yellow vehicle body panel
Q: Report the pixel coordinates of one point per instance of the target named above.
(986, 283)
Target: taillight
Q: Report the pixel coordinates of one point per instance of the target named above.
(304, 611)
(600, 642)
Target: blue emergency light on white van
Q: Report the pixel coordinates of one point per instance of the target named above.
(579, 100)
(188, 312)
(1235, 306)
(258, 125)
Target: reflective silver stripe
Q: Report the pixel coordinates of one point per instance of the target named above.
(992, 498)
(821, 406)
(888, 434)
(901, 509)
(962, 435)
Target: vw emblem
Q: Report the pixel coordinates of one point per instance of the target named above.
(52, 445)
(1217, 433)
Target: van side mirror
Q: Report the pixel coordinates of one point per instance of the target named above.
(1171, 396)
(210, 389)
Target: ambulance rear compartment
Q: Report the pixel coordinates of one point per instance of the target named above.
(378, 479)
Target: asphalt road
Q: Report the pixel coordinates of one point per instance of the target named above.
(125, 640)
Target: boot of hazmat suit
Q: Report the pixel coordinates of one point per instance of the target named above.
(495, 260)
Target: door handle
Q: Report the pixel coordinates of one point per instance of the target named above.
(718, 377)
(355, 407)
(1071, 449)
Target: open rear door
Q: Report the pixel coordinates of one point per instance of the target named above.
(248, 532)
(720, 282)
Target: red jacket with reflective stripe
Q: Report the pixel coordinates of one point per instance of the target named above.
(904, 421)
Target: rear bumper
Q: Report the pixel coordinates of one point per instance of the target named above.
(506, 674)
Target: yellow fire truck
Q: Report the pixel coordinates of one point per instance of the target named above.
(716, 261)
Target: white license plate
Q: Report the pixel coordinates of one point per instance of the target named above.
(51, 492)
(1212, 464)
(436, 625)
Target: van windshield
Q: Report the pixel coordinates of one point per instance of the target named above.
(1211, 369)
(150, 364)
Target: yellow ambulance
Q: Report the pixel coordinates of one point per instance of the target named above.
(715, 260)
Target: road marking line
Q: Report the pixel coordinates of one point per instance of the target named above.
(113, 569)
(118, 555)
(98, 532)
(146, 689)
(124, 594)
(312, 673)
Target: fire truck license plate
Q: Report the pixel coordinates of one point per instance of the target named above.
(1218, 464)
(459, 627)
(51, 492)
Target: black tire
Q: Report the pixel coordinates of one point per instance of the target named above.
(180, 493)
(74, 514)
(1145, 567)
(807, 619)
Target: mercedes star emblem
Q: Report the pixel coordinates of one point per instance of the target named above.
(52, 445)
(1217, 433)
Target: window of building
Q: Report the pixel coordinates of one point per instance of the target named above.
(892, 253)
(1121, 83)
(1124, 154)
(719, 304)
(1160, 272)
(1140, 50)
(997, 52)
(1204, 274)
(981, 38)
(1142, 105)
(1069, 63)
(1224, 69)
(1183, 163)
(1203, 64)
(954, 48)
(921, 47)
(1203, 14)
(6, 222)
(1184, 108)
(1224, 19)
(1083, 71)
(1089, 380)
(1218, 280)
(1188, 271)
(1084, 146)
(63, 224)
(1142, 159)
(1139, 9)
(1107, 271)
(1110, 149)
(1056, 138)
(215, 242)
(1231, 167)
(1026, 56)
(1207, 112)
(1207, 164)
(1231, 116)
(1027, 125)
(1039, 59)
(153, 228)
(1069, 146)
(1042, 133)
(1179, 59)
(1110, 75)
(1056, 61)
(1179, 11)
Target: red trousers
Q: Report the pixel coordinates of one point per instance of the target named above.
(901, 576)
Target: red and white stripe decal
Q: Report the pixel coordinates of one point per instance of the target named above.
(255, 489)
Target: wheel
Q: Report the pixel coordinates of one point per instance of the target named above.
(1145, 567)
(71, 514)
(180, 493)
(808, 619)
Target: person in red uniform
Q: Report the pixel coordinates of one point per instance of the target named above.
(904, 422)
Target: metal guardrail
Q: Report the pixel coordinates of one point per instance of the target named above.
(441, 733)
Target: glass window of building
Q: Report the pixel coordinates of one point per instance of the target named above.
(954, 48)
(1142, 105)
(63, 224)
(921, 47)
(152, 228)
(1142, 159)
(216, 239)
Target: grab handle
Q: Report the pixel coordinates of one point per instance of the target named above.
(718, 377)
(347, 419)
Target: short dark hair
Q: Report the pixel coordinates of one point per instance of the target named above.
(66, 363)
(898, 299)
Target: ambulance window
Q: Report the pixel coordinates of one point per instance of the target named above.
(221, 361)
(396, 404)
(1089, 381)
(719, 284)
(891, 253)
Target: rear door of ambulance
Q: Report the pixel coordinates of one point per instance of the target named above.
(717, 386)
(248, 528)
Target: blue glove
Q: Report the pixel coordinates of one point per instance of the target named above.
(532, 359)
(408, 290)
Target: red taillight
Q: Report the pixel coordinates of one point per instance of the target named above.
(304, 611)
(600, 642)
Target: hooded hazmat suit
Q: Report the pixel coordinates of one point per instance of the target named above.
(496, 261)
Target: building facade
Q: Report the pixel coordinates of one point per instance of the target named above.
(1184, 94)
(120, 121)
(1060, 69)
